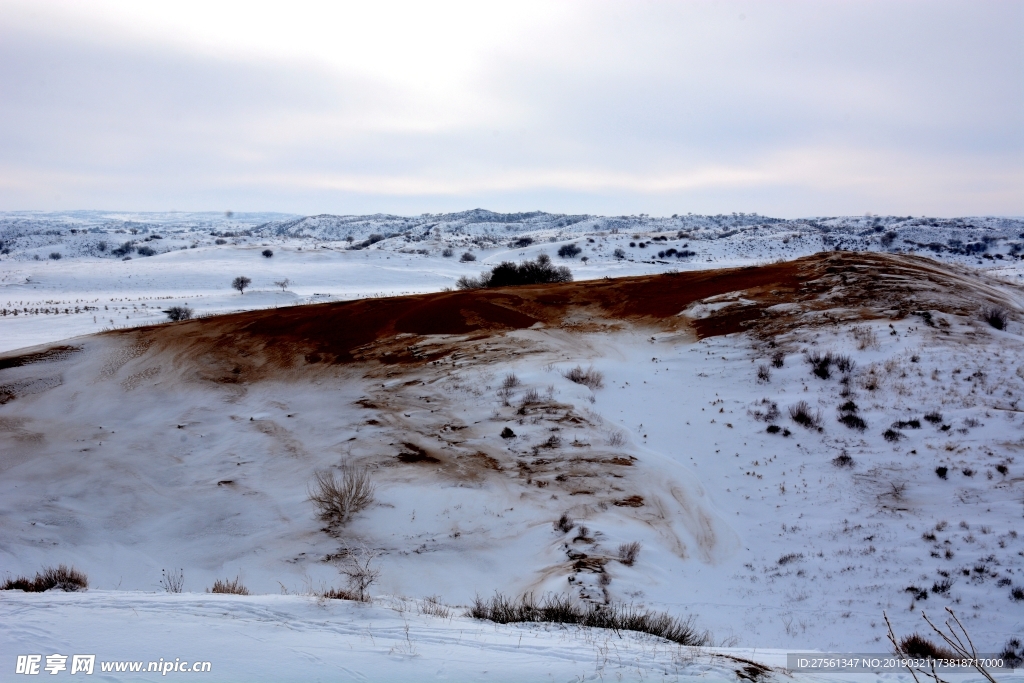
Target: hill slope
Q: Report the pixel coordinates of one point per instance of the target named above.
(192, 445)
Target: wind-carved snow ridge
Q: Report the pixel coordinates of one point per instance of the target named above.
(794, 447)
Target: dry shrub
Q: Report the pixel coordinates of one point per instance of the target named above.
(337, 594)
(865, 338)
(530, 398)
(565, 523)
(561, 609)
(173, 581)
(338, 496)
(234, 587)
(916, 645)
(590, 378)
(629, 553)
(764, 373)
(803, 415)
(361, 572)
(853, 421)
(62, 578)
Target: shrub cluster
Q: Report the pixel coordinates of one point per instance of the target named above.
(820, 363)
(60, 578)
(509, 274)
(561, 609)
(569, 251)
(176, 313)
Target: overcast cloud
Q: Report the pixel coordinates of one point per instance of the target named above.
(788, 109)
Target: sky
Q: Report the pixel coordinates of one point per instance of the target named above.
(786, 109)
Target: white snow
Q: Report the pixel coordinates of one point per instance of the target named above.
(121, 464)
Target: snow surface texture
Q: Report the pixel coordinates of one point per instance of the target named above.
(125, 455)
(91, 287)
(292, 638)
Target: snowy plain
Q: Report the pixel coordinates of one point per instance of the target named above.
(115, 463)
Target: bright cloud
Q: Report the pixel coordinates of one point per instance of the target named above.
(783, 108)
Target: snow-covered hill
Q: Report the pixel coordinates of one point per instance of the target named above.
(796, 447)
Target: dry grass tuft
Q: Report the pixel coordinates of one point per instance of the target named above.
(916, 645)
(866, 338)
(561, 609)
(803, 415)
(434, 607)
(234, 587)
(590, 378)
(629, 553)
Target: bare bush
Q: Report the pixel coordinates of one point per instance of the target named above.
(234, 587)
(530, 398)
(764, 373)
(629, 553)
(561, 609)
(510, 381)
(338, 496)
(616, 439)
(467, 257)
(957, 644)
(62, 578)
(172, 581)
(820, 363)
(590, 378)
(361, 572)
(176, 313)
(844, 363)
(778, 359)
(803, 415)
(565, 523)
(283, 284)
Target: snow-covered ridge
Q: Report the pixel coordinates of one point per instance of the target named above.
(29, 235)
